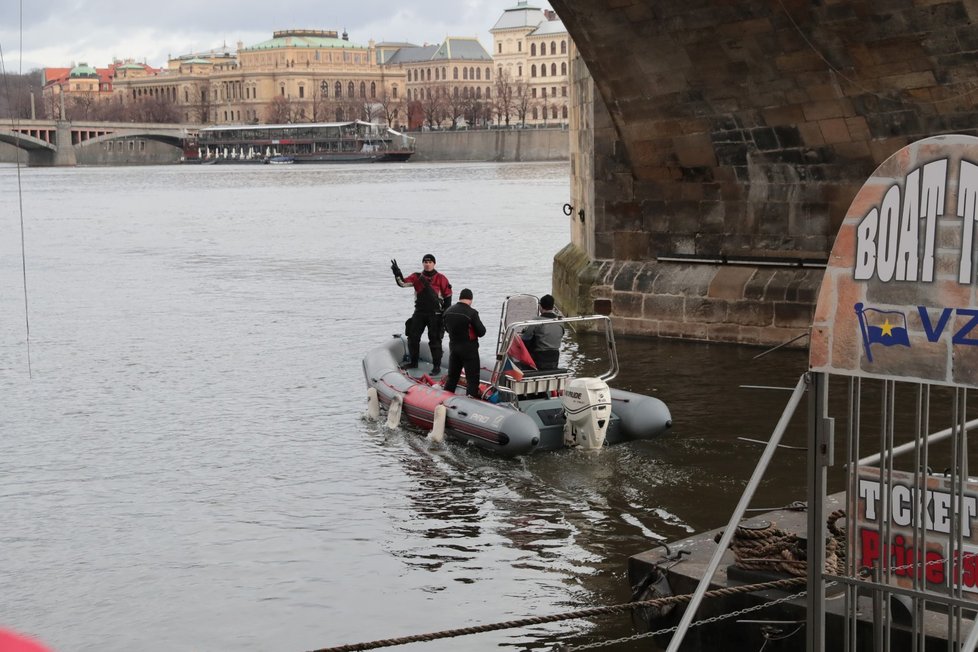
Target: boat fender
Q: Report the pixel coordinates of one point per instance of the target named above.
(652, 586)
(373, 404)
(394, 411)
(437, 433)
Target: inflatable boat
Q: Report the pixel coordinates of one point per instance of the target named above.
(520, 410)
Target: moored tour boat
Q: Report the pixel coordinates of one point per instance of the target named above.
(520, 411)
(321, 142)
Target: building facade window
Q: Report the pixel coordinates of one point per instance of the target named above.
(533, 49)
(302, 92)
(338, 90)
(553, 70)
(533, 70)
(455, 72)
(373, 90)
(563, 49)
(363, 90)
(500, 48)
(351, 90)
(563, 112)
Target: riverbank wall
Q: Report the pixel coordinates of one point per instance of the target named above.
(516, 145)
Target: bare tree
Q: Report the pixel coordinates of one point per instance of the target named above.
(522, 102)
(320, 102)
(389, 108)
(15, 94)
(455, 105)
(279, 111)
(504, 101)
(432, 105)
(152, 109)
(201, 105)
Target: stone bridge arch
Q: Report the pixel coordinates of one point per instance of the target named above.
(724, 141)
(24, 141)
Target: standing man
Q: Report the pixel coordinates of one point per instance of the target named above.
(464, 330)
(432, 295)
(543, 340)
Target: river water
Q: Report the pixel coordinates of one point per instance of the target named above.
(187, 467)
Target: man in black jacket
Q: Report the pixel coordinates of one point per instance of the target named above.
(464, 330)
(543, 339)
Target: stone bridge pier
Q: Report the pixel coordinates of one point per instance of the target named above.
(717, 146)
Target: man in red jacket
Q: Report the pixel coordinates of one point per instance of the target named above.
(432, 296)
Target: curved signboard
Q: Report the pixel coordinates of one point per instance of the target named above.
(898, 297)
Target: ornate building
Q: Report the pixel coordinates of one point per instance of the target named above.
(448, 84)
(532, 53)
(296, 76)
(304, 75)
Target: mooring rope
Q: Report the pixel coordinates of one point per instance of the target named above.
(771, 548)
(553, 618)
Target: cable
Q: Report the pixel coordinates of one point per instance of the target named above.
(20, 192)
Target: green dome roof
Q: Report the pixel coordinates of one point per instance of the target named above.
(130, 66)
(83, 70)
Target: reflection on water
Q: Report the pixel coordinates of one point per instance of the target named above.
(189, 468)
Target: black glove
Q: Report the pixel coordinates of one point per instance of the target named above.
(396, 269)
(446, 303)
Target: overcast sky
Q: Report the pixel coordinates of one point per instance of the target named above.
(61, 32)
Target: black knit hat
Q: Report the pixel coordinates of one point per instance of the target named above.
(428, 257)
(466, 293)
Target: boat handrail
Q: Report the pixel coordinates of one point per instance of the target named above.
(515, 329)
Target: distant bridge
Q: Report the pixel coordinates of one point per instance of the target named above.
(57, 142)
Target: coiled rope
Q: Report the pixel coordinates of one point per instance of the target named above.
(773, 549)
(572, 615)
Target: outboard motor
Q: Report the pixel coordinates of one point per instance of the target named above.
(587, 406)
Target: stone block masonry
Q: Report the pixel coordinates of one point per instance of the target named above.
(740, 130)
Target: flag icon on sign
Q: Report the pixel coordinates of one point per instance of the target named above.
(886, 327)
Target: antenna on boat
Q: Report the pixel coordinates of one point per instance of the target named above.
(20, 193)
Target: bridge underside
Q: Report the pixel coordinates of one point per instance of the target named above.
(741, 131)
